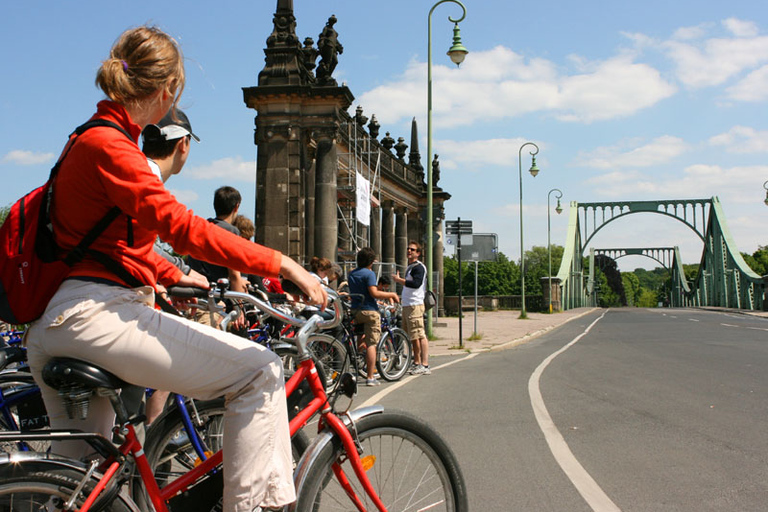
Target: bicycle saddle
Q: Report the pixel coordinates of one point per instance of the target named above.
(65, 372)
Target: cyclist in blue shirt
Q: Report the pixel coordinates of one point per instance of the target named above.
(364, 292)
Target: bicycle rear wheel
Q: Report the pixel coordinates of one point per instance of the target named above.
(23, 410)
(31, 487)
(393, 355)
(411, 468)
(170, 452)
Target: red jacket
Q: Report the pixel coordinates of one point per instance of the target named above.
(105, 169)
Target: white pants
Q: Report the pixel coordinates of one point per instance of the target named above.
(119, 330)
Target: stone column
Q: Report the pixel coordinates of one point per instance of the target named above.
(401, 239)
(326, 227)
(309, 183)
(387, 233)
(376, 230)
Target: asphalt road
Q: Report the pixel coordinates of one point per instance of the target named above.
(650, 410)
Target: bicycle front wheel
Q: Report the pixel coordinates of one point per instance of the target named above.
(329, 354)
(411, 468)
(393, 355)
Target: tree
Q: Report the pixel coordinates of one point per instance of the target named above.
(500, 277)
(758, 261)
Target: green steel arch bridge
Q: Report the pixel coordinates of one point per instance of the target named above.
(724, 278)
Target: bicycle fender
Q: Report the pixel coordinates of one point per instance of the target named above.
(28, 462)
(320, 442)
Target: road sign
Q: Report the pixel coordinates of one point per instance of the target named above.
(482, 247)
(453, 240)
(458, 227)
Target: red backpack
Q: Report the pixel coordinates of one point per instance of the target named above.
(31, 266)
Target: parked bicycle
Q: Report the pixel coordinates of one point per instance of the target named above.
(369, 459)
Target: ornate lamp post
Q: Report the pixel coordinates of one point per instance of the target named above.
(765, 186)
(534, 171)
(559, 210)
(457, 52)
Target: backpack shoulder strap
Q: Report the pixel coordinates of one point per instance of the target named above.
(77, 254)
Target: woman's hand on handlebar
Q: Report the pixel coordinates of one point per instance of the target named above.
(195, 280)
(311, 287)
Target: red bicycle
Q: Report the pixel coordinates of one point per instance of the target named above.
(363, 459)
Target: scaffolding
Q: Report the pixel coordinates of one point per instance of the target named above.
(362, 157)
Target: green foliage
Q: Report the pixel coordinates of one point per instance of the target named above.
(4, 213)
(758, 261)
(500, 277)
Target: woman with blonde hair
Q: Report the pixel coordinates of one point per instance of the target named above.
(106, 319)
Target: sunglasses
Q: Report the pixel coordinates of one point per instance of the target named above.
(412, 249)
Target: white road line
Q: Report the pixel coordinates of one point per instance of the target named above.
(402, 382)
(729, 325)
(694, 320)
(583, 481)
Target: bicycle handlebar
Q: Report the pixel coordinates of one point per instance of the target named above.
(306, 326)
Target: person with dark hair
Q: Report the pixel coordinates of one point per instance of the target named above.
(364, 292)
(226, 203)
(414, 288)
(104, 317)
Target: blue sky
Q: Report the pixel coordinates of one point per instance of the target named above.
(627, 100)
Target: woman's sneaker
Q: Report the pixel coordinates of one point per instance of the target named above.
(422, 370)
(372, 382)
(414, 369)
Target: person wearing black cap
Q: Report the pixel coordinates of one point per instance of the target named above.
(167, 143)
(166, 146)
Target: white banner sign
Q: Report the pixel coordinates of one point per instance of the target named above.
(363, 199)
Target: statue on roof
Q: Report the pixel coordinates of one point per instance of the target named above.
(330, 48)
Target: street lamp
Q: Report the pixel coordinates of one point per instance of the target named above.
(534, 171)
(765, 186)
(457, 52)
(559, 210)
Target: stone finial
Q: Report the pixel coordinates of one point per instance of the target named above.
(400, 148)
(373, 127)
(388, 142)
(309, 55)
(414, 157)
(359, 117)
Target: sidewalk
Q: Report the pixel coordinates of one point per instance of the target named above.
(497, 330)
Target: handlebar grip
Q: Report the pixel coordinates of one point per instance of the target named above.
(187, 292)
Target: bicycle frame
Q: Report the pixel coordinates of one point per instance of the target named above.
(330, 425)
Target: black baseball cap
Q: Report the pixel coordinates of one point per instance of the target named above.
(171, 127)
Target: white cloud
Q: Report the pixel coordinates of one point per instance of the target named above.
(230, 168)
(742, 139)
(629, 154)
(714, 61)
(741, 28)
(476, 154)
(185, 196)
(754, 87)
(689, 33)
(21, 157)
(500, 83)
(696, 181)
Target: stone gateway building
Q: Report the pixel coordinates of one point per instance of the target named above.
(316, 162)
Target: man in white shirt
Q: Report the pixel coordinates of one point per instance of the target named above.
(414, 288)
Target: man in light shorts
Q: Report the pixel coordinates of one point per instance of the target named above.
(414, 288)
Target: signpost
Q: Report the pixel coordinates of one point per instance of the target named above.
(459, 227)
